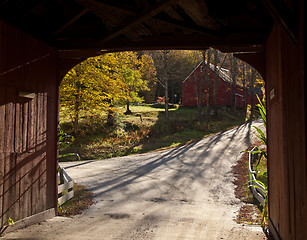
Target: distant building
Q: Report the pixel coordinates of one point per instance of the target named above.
(224, 93)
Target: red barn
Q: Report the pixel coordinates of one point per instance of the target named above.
(224, 92)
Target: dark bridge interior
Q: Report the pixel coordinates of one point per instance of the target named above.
(135, 24)
(41, 40)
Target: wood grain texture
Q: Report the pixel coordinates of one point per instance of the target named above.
(26, 64)
(2, 157)
(25, 185)
(286, 135)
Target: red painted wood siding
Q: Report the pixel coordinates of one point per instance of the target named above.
(287, 163)
(224, 94)
(27, 126)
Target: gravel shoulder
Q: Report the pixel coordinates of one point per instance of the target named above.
(180, 193)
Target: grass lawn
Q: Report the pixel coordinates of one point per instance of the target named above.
(144, 131)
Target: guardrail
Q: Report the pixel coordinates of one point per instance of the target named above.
(257, 189)
(65, 188)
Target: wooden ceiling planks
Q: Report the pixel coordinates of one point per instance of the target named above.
(125, 24)
(199, 13)
(172, 13)
(113, 16)
(135, 20)
(71, 21)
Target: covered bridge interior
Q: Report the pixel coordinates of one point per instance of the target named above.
(41, 40)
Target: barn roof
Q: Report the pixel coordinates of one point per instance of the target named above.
(224, 73)
(78, 27)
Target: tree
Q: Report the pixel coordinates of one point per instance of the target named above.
(130, 69)
(134, 82)
(201, 88)
(207, 59)
(92, 85)
(180, 65)
(99, 83)
(252, 82)
(234, 71)
(219, 59)
(244, 83)
(148, 74)
(165, 80)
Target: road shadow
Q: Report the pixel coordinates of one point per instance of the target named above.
(190, 161)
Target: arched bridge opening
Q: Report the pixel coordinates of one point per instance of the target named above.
(266, 34)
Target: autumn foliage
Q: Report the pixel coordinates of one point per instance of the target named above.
(99, 83)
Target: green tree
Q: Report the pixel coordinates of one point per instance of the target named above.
(130, 70)
(92, 85)
(134, 83)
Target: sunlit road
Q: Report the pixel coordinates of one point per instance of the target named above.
(180, 193)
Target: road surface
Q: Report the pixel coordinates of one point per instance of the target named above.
(180, 193)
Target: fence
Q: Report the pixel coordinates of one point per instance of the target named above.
(65, 187)
(258, 190)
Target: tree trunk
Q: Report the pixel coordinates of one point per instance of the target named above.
(244, 89)
(201, 89)
(166, 99)
(208, 107)
(165, 78)
(77, 110)
(128, 111)
(216, 72)
(253, 76)
(110, 119)
(215, 79)
(76, 125)
(234, 81)
(208, 82)
(198, 99)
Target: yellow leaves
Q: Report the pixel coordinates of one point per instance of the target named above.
(91, 84)
(148, 69)
(99, 82)
(132, 76)
(260, 80)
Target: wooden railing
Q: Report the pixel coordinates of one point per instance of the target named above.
(65, 187)
(258, 190)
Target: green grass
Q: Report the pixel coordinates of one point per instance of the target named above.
(262, 175)
(145, 108)
(143, 131)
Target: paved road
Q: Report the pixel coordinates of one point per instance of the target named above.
(180, 193)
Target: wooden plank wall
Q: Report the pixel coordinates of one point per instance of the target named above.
(287, 134)
(27, 126)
